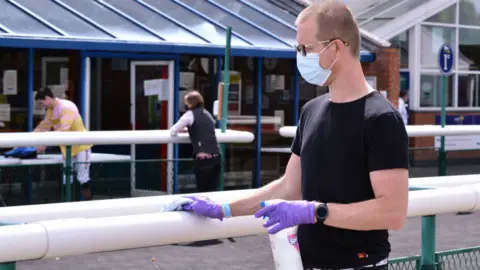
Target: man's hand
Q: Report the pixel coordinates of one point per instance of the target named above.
(285, 214)
(41, 149)
(199, 205)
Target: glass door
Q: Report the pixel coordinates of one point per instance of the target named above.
(152, 86)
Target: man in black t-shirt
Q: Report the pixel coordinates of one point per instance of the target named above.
(346, 183)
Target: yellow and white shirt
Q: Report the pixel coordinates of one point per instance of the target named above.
(64, 116)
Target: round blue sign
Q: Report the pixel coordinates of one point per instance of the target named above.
(445, 58)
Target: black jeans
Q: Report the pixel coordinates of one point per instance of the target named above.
(207, 173)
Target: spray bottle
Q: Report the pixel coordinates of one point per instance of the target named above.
(285, 250)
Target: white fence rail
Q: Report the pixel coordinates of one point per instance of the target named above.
(414, 131)
(154, 204)
(57, 238)
(111, 138)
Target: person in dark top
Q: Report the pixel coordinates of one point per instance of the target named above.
(346, 183)
(201, 130)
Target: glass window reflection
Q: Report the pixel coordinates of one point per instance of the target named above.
(431, 87)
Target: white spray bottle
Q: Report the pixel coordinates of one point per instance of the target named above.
(285, 250)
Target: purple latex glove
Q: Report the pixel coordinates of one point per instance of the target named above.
(285, 214)
(199, 205)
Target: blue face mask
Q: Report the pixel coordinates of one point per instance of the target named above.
(310, 69)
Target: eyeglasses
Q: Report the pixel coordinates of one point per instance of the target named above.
(302, 48)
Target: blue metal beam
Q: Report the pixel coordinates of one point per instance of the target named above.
(30, 72)
(83, 17)
(153, 47)
(83, 76)
(160, 13)
(254, 25)
(258, 125)
(129, 18)
(212, 22)
(136, 56)
(37, 17)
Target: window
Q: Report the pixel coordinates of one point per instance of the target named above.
(445, 16)
(469, 12)
(432, 37)
(463, 33)
(431, 90)
(468, 90)
(469, 45)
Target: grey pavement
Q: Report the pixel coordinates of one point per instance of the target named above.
(253, 252)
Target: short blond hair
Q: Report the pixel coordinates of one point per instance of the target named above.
(334, 21)
(194, 98)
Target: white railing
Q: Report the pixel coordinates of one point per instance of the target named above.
(154, 204)
(77, 236)
(414, 131)
(111, 138)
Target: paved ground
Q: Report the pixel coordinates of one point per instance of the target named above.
(254, 252)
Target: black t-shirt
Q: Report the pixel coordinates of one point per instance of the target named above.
(339, 145)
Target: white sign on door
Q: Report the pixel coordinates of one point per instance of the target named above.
(156, 87)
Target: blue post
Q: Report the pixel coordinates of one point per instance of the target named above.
(296, 93)
(258, 126)
(82, 85)
(176, 89)
(219, 79)
(30, 107)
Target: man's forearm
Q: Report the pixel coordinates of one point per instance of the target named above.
(376, 214)
(251, 204)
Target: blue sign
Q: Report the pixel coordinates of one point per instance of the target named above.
(445, 59)
(459, 120)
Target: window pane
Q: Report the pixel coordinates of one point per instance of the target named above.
(384, 11)
(63, 19)
(274, 10)
(469, 54)
(430, 90)
(197, 24)
(445, 16)
(468, 90)
(163, 27)
(117, 25)
(260, 19)
(21, 23)
(401, 41)
(469, 12)
(432, 38)
(259, 38)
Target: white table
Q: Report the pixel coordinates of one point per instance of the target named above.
(54, 159)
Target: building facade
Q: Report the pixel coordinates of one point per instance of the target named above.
(127, 65)
(419, 28)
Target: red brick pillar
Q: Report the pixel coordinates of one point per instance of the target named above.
(387, 67)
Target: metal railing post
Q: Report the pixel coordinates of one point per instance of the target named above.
(68, 174)
(427, 259)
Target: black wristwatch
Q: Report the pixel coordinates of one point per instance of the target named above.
(321, 213)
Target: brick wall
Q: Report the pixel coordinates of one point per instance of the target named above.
(387, 70)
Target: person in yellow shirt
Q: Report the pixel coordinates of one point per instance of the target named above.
(63, 115)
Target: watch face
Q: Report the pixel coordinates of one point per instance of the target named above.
(322, 211)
